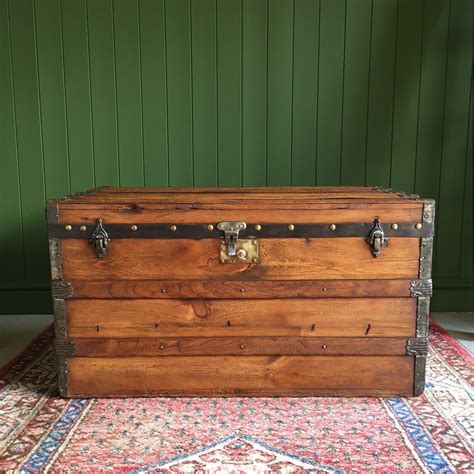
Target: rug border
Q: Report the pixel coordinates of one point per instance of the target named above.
(10, 363)
(452, 341)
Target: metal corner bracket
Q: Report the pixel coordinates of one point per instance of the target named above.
(422, 287)
(418, 348)
(61, 289)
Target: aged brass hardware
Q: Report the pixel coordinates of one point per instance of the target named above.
(133, 228)
(258, 227)
(247, 251)
(210, 227)
(83, 228)
(291, 227)
(173, 228)
(100, 239)
(394, 226)
(377, 239)
(418, 226)
(231, 231)
(332, 227)
(68, 227)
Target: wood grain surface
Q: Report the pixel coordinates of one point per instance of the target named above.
(208, 375)
(359, 317)
(280, 259)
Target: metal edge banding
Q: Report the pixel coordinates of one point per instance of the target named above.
(60, 290)
(201, 231)
(418, 347)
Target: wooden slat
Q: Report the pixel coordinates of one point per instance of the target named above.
(332, 317)
(233, 289)
(233, 375)
(244, 346)
(280, 259)
(322, 214)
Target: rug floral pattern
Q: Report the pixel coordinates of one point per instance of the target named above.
(40, 432)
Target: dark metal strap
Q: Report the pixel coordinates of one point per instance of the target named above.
(201, 231)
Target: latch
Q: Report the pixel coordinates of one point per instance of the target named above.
(377, 239)
(231, 231)
(100, 239)
(235, 250)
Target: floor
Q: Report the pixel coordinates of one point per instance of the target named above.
(16, 331)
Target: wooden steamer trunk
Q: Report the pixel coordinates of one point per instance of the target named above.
(241, 292)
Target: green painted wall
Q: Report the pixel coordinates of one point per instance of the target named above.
(244, 93)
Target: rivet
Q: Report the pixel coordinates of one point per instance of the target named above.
(418, 225)
(324, 289)
(254, 242)
(163, 290)
(394, 226)
(258, 227)
(133, 227)
(222, 260)
(332, 226)
(68, 227)
(162, 346)
(426, 216)
(173, 228)
(242, 290)
(291, 227)
(242, 346)
(324, 346)
(255, 260)
(83, 228)
(210, 227)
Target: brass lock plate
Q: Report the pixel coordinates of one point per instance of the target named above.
(247, 251)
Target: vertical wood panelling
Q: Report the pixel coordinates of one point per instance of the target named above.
(455, 136)
(203, 20)
(11, 234)
(356, 77)
(254, 92)
(280, 91)
(407, 81)
(305, 76)
(330, 90)
(232, 93)
(229, 92)
(178, 68)
(381, 84)
(51, 80)
(154, 91)
(29, 140)
(78, 97)
(103, 92)
(129, 92)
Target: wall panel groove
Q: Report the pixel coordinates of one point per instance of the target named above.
(233, 93)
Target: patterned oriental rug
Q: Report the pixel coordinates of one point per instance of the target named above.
(40, 432)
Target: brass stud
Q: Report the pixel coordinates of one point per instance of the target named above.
(173, 228)
(133, 227)
(210, 227)
(324, 346)
(68, 227)
(163, 290)
(83, 228)
(419, 225)
(394, 226)
(291, 227)
(332, 227)
(242, 290)
(258, 227)
(162, 346)
(222, 260)
(255, 260)
(324, 289)
(242, 346)
(254, 242)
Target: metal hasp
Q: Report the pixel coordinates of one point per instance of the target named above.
(231, 231)
(100, 239)
(377, 239)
